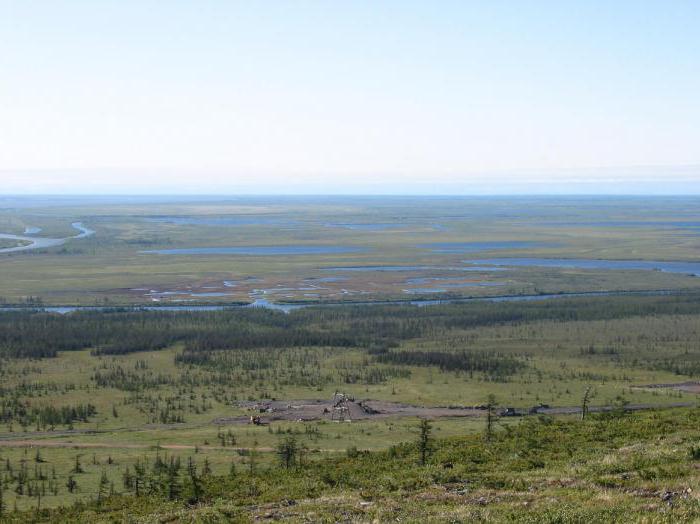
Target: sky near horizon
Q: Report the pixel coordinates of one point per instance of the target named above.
(492, 96)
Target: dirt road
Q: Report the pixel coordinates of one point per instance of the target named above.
(350, 410)
(311, 410)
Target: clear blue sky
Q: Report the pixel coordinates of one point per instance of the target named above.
(349, 96)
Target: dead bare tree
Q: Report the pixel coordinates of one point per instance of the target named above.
(584, 403)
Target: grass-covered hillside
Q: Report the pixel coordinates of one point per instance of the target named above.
(615, 467)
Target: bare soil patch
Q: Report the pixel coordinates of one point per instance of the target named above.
(688, 387)
(347, 410)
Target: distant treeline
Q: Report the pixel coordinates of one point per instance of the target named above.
(492, 365)
(39, 334)
(15, 410)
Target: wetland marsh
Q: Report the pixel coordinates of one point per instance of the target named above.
(344, 249)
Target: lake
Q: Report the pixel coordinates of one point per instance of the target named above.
(219, 221)
(366, 227)
(259, 250)
(662, 224)
(411, 268)
(469, 247)
(446, 287)
(691, 268)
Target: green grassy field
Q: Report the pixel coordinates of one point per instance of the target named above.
(9, 243)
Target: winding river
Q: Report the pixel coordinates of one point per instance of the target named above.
(42, 242)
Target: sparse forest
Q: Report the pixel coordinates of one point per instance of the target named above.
(116, 410)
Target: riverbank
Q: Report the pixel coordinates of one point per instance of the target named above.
(287, 306)
(31, 243)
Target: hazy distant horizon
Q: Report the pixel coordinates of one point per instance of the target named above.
(212, 197)
(635, 180)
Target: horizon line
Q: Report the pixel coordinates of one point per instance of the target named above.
(379, 195)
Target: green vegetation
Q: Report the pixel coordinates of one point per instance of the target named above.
(10, 243)
(111, 266)
(567, 410)
(90, 419)
(607, 469)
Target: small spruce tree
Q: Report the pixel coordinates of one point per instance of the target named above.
(425, 443)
